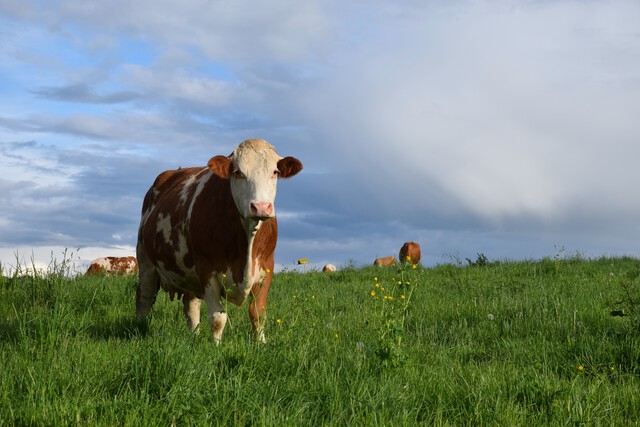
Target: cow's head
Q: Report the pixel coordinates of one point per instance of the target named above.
(253, 169)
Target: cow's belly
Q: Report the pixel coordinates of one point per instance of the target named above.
(185, 281)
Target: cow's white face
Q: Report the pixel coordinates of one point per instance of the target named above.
(254, 179)
(253, 170)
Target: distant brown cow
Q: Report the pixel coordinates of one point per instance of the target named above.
(385, 262)
(410, 252)
(114, 265)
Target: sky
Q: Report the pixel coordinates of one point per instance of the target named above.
(506, 128)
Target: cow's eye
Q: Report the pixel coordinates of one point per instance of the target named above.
(238, 174)
(276, 173)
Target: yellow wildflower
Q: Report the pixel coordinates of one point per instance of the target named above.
(377, 285)
(408, 258)
(337, 336)
(278, 321)
(402, 296)
(580, 368)
(415, 266)
(268, 271)
(373, 293)
(375, 279)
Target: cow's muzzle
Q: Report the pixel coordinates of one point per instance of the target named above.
(261, 209)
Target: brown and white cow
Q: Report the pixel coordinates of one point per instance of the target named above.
(113, 265)
(387, 261)
(329, 268)
(410, 252)
(210, 233)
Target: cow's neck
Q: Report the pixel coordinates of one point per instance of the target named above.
(251, 272)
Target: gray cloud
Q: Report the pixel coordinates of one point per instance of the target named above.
(82, 93)
(512, 115)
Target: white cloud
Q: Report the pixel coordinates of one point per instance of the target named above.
(177, 84)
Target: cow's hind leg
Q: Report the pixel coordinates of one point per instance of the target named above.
(148, 286)
(192, 310)
(217, 315)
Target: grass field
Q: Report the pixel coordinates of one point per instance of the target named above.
(477, 343)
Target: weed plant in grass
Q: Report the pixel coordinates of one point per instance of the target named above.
(506, 343)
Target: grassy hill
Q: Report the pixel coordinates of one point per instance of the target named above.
(554, 341)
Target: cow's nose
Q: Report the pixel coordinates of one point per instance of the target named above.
(261, 209)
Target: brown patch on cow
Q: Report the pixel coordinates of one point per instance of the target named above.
(410, 252)
(385, 262)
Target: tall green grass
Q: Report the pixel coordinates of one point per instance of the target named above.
(491, 343)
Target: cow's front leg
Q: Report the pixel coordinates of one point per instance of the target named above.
(191, 305)
(217, 315)
(258, 307)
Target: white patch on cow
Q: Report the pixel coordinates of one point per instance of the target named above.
(181, 253)
(192, 312)
(184, 193)
(145, 215)
(131, 267)
(147, 212)
(202, 181)
(102, 263)
(164, 227)
(260, 333)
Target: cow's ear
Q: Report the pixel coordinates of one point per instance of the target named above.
(221, 166)
(289, 166)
